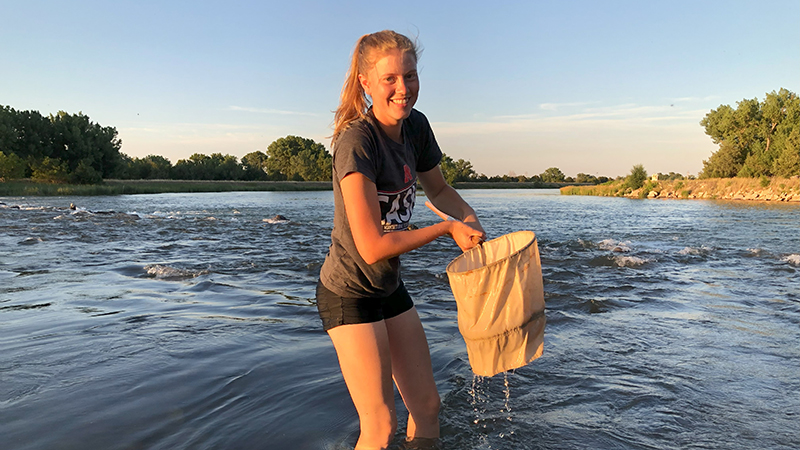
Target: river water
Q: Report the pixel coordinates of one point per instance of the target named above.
(187, 321)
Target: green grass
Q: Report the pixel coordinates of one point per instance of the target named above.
(125, 187)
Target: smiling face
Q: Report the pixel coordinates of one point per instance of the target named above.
(393, 86)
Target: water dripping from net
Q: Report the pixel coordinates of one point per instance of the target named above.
(483, 406)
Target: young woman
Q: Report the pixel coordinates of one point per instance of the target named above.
(381, 147)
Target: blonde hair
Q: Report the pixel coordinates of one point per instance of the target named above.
(353, 103)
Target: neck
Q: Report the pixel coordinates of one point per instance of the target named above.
(395, 132)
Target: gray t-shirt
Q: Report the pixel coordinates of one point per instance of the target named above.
(365, 148)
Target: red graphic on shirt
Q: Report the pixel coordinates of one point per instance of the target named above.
(407, 173)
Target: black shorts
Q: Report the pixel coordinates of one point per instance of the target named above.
(335, 310)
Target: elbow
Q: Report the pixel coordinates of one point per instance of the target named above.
(369, 255)
(370, 260)
(372, 257)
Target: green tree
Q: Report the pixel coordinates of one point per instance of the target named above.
(204, 167)
(51, 170)
(8, 130)
(226, 167)
(585, 178)
(72, 139)
(297, 158)
(34, 136)
(159, 167)
(755, 139)
(151, 167)
(456, 171)
(11, 166)
(553, 175)
(84, 173)
(637, 177)
(255, 166)
(77, 140)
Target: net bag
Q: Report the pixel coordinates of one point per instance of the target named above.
(500, 299)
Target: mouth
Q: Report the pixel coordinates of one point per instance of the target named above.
(401, 101)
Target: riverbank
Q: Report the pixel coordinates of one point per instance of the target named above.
(751, 189)
(128, 187)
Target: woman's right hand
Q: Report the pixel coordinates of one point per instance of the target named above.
(465, 236)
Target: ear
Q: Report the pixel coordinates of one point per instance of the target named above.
(364, 84)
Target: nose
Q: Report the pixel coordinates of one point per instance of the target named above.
(400, 87)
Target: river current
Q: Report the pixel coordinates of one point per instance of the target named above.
(187, 321)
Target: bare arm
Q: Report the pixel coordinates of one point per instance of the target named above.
(446, 199)
(364, 214)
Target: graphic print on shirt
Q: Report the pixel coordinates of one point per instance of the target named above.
(396, 208)
(407, 174)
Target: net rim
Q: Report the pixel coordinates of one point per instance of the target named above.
(449, 269)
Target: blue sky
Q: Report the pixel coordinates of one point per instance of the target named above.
(514, 87)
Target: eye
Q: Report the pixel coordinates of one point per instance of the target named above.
(389, 79)
(411, 76)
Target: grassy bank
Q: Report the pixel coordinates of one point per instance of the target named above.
(758, 189)
(17, 188)
(120, 187)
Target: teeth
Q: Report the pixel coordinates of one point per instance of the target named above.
(402, 101)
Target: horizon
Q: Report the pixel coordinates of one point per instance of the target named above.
(585, 87)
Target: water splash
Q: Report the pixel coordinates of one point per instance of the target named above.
(696, 251)
(793, 259)
(167, 272)
(614, 245)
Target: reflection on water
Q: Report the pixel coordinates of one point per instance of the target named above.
(188, 321)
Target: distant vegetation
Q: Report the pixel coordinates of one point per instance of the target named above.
(461, 171)
(58, 148)
(71, 149)
(291, 158)
(756, 138)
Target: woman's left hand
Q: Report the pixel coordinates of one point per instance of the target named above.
(465, 236)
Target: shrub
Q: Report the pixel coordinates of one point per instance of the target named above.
(85, 174)
(11, 166)
(637, 177)
(51, 170)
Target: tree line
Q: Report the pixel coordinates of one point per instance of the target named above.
(458, 171)
(71, 148)
(756, 139)
(291, 158)
(60, 148)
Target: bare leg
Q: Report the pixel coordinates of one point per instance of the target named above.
(413, 373)
(365, 359)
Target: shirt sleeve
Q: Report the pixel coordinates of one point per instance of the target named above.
(428, 152)
(355, 151)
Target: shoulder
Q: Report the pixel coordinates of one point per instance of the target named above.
(360, 133)
(417, 120)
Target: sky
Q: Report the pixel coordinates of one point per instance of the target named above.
(514, 87)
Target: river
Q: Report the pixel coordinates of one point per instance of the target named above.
(187, 321)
